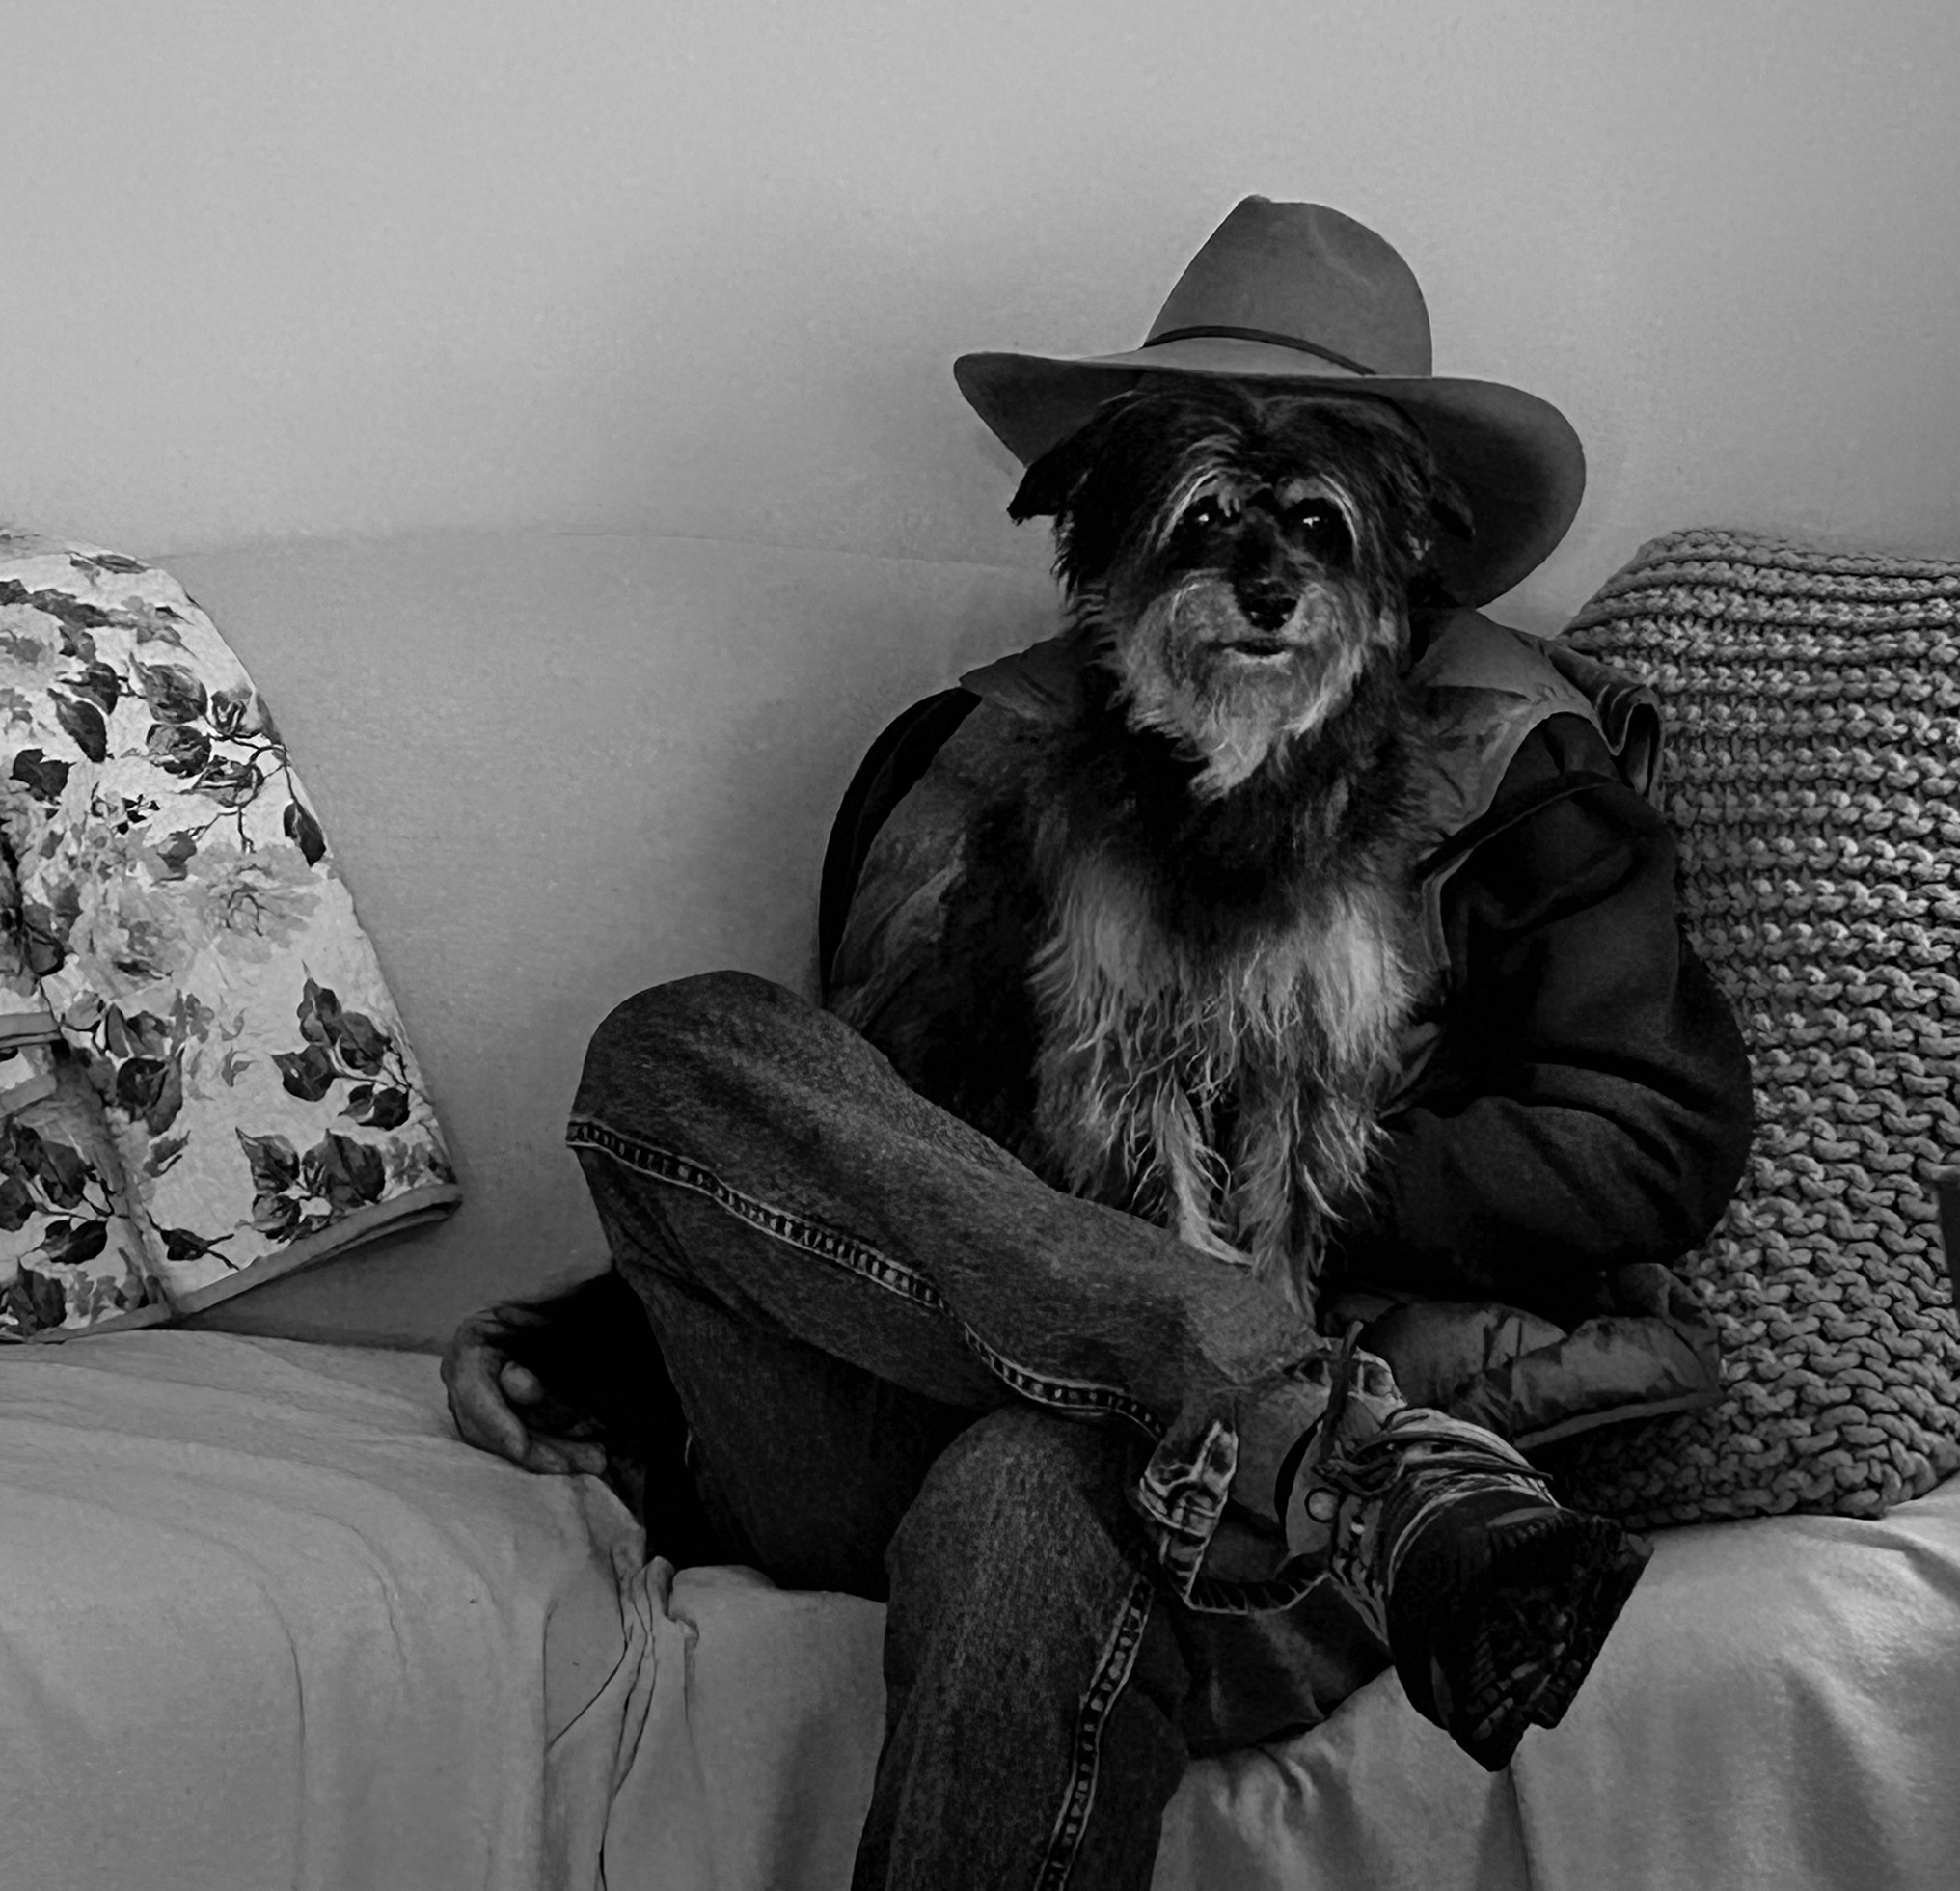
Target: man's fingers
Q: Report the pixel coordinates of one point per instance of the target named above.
(483, 1417)
(472, 1370)
(520, 1383)
(564, 1457)
(485, 1421)
(485, 1391)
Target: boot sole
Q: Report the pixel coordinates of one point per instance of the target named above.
(1509, 1648)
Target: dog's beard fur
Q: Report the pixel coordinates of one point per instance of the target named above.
(1224, 835)
(1177, 676)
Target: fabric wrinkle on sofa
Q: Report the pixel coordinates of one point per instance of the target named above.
(270, 1622)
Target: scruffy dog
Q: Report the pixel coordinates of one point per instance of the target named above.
(1223, 839)
(1169, 955)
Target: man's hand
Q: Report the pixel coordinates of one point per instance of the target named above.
(499, 1405)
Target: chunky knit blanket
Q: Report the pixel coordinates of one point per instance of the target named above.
(1813, 776)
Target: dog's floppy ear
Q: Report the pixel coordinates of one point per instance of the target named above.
(1450, 515)
(1048, 485)
(1446, 514)
(1450, 509)
(1432, 507)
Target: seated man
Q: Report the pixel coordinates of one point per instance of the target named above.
(1280, 959)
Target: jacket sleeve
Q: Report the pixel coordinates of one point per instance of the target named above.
(1588, 1106)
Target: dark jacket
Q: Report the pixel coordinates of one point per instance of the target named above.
(1574, 1108)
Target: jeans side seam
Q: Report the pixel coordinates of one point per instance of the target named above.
(1083, 1395)
(1062, 1394)
(1211, 1595)
(1106, 1685)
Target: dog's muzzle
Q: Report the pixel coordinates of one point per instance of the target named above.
(1264, 607)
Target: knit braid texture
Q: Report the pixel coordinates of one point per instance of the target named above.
(1813, 777)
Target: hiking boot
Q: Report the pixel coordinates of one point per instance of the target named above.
(1492, 1598)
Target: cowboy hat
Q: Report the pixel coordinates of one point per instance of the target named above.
(1299, 293)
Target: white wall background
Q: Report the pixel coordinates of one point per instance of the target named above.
(271, 268)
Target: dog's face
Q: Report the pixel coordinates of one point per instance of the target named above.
(1242, 558)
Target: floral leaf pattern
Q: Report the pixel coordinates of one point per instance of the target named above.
(173, 692)
(69, 1256)
(305, 833)
(43, 779)
(174, 935)
(83, 722)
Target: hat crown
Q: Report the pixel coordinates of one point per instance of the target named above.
(1305, 275)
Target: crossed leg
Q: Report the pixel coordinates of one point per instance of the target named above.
(913, 1370)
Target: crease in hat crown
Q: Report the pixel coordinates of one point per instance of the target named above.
(1302, 273)
(1285, 293)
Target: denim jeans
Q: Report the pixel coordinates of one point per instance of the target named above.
(915, 1372)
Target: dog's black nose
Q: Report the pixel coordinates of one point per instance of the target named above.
(1266, 606)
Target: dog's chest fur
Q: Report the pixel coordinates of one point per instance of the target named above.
(1220, 989)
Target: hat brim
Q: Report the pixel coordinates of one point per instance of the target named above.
(1515, 457)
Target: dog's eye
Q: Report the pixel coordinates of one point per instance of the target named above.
(1201, 515)
(1319, 523)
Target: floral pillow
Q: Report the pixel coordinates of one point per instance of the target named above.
(208, 1082)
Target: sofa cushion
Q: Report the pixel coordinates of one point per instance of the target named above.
(1813, 705)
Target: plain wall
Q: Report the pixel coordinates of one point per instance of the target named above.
(701, 267)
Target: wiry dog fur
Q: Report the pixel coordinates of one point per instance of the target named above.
(1224, 837)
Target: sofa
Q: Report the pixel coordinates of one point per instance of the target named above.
(268, 1622)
